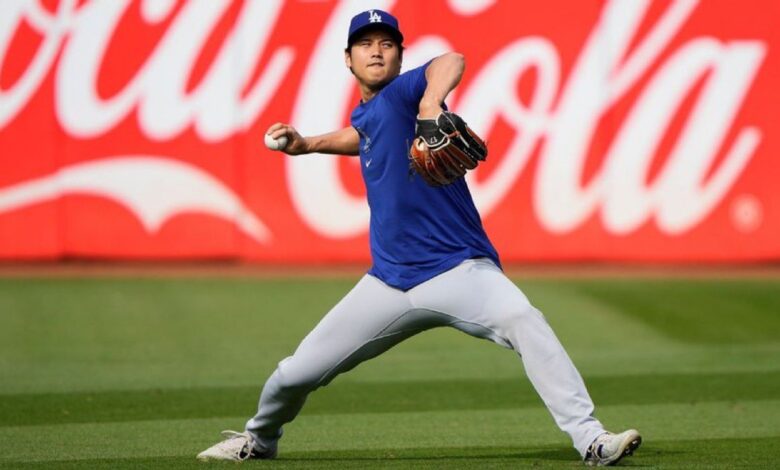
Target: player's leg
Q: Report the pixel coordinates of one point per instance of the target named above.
(483, 302)
(359, 327)
(368, 321)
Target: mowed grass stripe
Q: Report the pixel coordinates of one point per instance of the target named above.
(439, 432)
(118, 334)
(701, 311)
(373, 397)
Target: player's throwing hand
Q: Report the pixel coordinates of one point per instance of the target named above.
(295, 143)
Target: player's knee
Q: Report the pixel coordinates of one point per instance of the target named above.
(294, 378)
(522, 314)
(516, 319)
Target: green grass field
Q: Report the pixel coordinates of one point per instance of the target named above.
(144, 373)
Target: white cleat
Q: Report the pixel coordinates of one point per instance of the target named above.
(608, 448)
(237, 446)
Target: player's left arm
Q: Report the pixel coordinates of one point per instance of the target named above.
(443, 75)
(444, 148)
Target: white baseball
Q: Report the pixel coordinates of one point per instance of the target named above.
(275, 144)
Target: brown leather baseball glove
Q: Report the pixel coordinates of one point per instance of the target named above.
(445, 148)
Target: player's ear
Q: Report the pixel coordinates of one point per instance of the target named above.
(348, 58)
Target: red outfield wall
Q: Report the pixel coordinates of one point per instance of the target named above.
(618, 130)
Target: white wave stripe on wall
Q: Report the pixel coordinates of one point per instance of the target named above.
(153, 188)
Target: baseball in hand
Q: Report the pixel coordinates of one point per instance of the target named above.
(275, 144)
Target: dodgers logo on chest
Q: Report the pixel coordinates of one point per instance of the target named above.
(365, 145)
(368, 160)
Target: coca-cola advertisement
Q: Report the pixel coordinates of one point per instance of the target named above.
(617, 130)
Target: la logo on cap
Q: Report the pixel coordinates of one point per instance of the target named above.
(374, 17)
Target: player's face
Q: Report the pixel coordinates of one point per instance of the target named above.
(374, 59)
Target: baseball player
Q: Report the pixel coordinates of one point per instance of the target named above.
(433, 264)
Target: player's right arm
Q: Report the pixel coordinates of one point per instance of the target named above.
(342, 142)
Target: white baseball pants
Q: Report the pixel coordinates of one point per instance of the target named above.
(474, 297)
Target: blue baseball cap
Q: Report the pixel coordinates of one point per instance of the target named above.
(374, 19)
